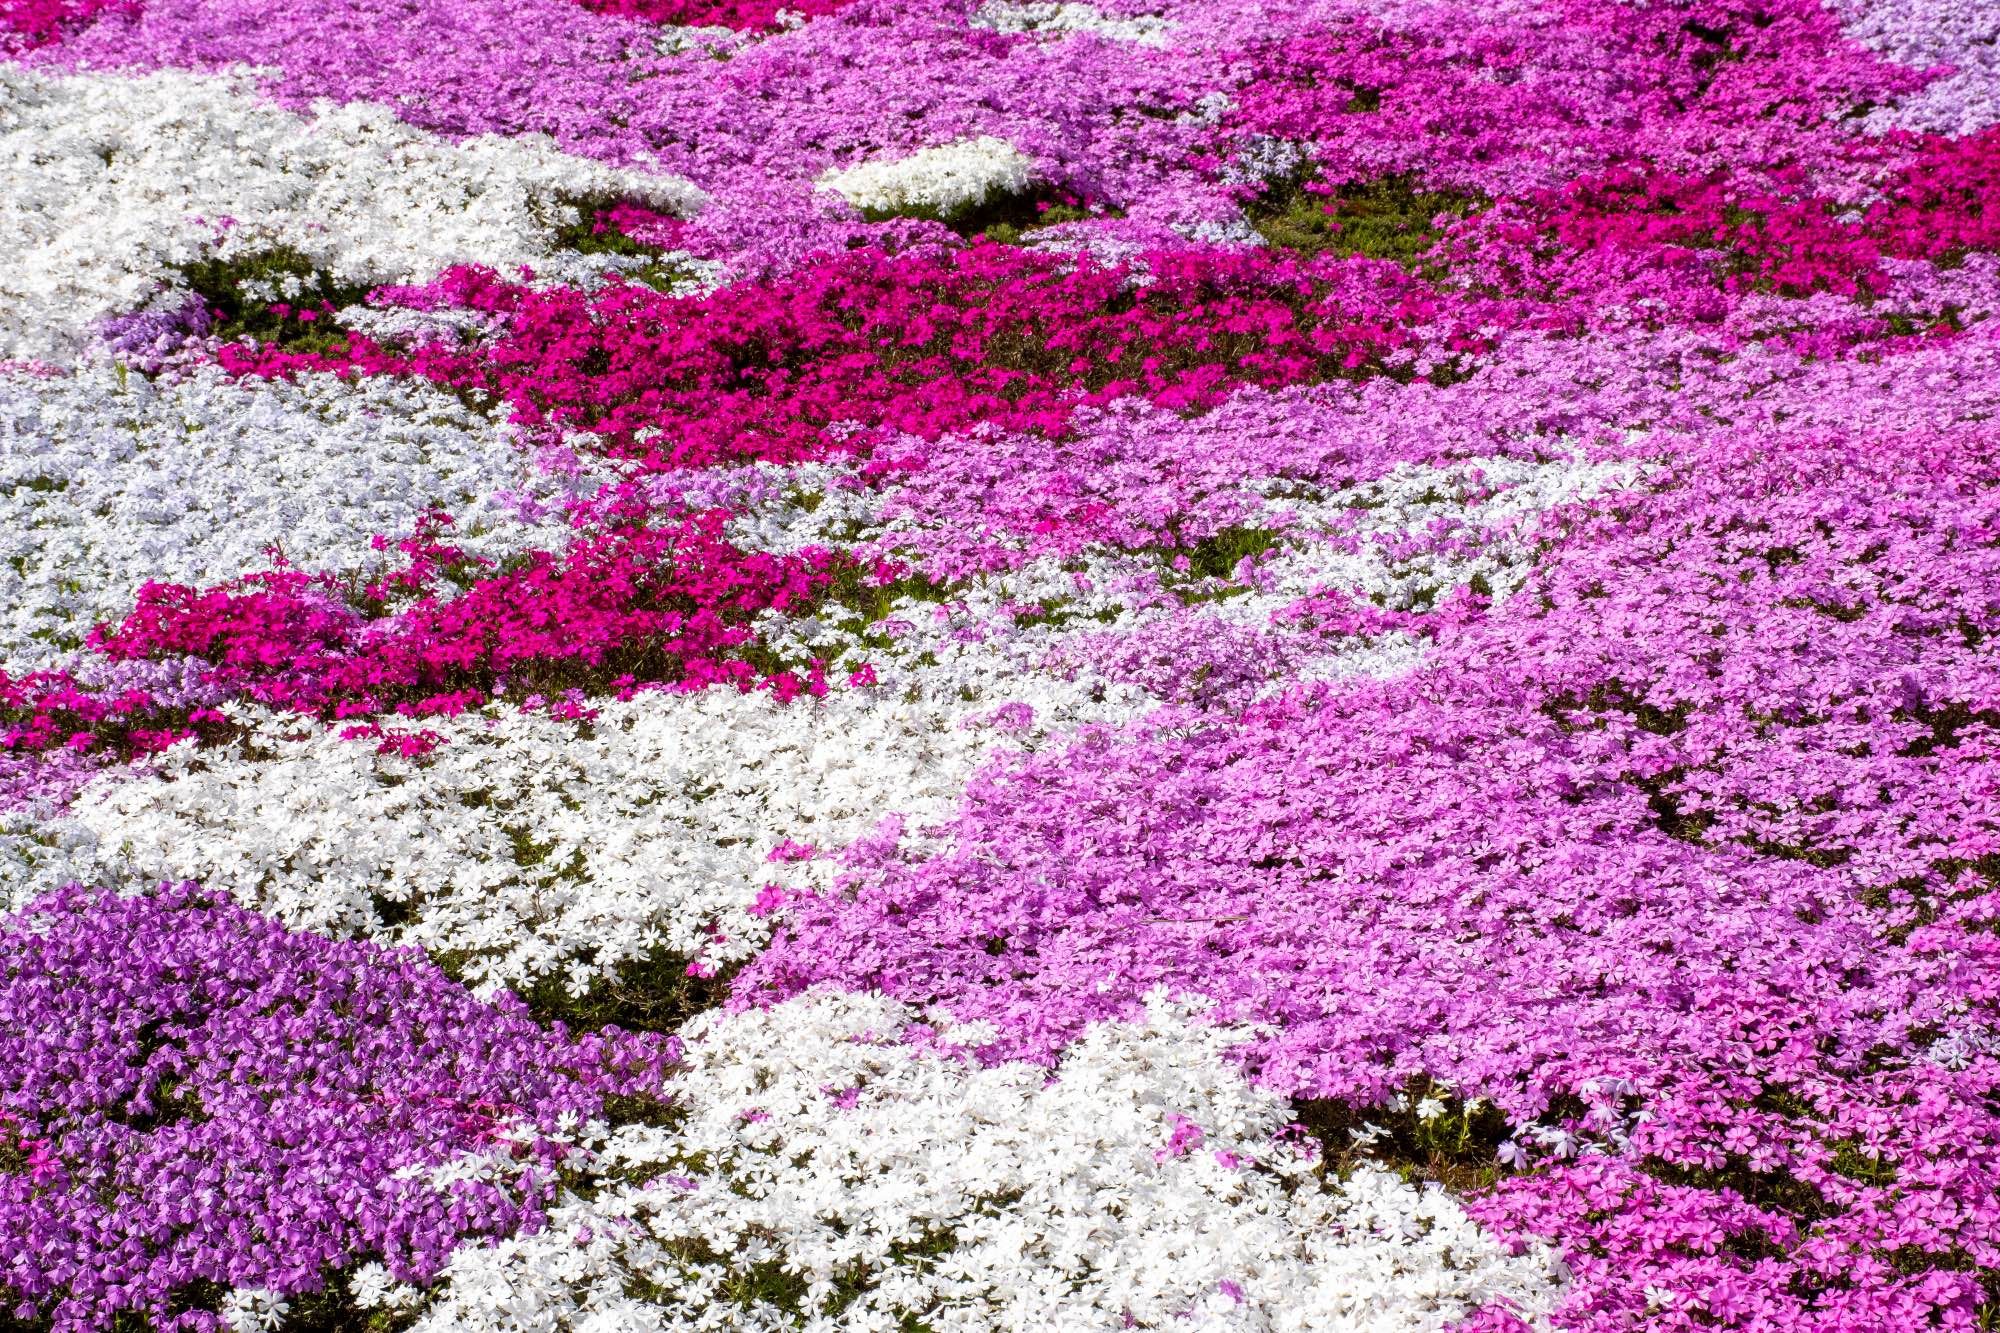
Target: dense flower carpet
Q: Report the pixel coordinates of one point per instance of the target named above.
(956, 665)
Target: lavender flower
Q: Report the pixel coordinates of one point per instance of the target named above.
(198, 1098)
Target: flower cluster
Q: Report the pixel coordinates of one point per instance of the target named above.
(110, 183)
(920, 343)
(710, 13)
(1580, 807)
(528, 846)
(25, 24)
(197, 1099)
(1067, 16)
(110, 482)
(943, 182)
(983, 1197)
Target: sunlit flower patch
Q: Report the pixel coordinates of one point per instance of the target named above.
(927, 665)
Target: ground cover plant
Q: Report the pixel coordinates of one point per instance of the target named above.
(926, 665)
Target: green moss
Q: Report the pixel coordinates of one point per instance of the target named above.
(13, 1157)
(1055, 612)
(392, 912)
(1211, 562)
(856, 590)
(1851, 1161)
(644, 1109)
(1777, 1191)
(589, 233)
(1388, 218)
(1945, 725)
(770, 1285)
(530, 854)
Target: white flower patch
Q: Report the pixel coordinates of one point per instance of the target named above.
(405, 326)
(1349, 540)
(1495, 497)
(821, 1174)
(108, 181)
(710, 40)
(1063, 17)
(941, 181)
(534, 845)
(783, 508)
(109, 480)
(1260, 159)
(254, 1310)
(1223, 231)
(1929, 35)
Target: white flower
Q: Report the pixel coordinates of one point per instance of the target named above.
(1559, 1142)
(981, 1198)
(253, 1309)
(1933, 35)
(1063, 19)
(109, 481)
(944, 180)
(374, 1289)
(108, 181)
(533, 848)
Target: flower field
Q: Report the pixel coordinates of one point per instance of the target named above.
(932, 666)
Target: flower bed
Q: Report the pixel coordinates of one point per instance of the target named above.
(919, 666)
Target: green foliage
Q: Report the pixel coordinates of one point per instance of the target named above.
(1012, 230)
(853, 602)
(652, 993)
(1851, 1160)
(13, 1323)
(1001, 216)
(1211, 562)
(1387, 218)
(1216, 556)
(1779, 1191)
(264, 295)
(13, 1156)
(1433, 1136)
(588, 232)
(1056, 612)
(770, 1285)
(332, 1309)
(856, 590)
